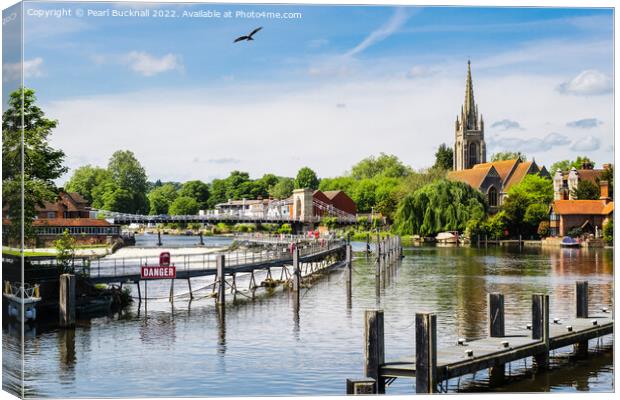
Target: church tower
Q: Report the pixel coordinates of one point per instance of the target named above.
(469, 146)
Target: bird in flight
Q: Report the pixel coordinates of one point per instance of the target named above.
(248, 37)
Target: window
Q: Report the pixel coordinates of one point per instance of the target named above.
(51, 214)
(492, 196)
(473, 154)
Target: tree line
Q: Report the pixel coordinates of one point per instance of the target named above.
(420, 202)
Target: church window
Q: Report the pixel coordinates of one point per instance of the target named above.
(473, 159)
(492, 196)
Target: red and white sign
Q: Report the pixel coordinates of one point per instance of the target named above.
(158, 272)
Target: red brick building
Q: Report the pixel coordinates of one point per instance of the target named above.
(589, 215)
(69, 212)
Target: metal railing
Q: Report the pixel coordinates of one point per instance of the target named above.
(112, 267)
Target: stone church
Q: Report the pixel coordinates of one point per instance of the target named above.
(470, 165)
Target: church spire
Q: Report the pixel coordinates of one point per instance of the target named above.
(469, 112)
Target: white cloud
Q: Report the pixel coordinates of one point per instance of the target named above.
(394, 23)
(31, 69)
(586, 123)
(421, 71)
(148, 65)
(588, 143)
(276, 127)
(528, 145)
(588, 82)
(506, 124)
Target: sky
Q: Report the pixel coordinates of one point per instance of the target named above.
(324, 89)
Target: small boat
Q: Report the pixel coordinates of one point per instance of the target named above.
(19, 297)
(451, 237)
(568, 241)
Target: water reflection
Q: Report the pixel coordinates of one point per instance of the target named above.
(316, 348)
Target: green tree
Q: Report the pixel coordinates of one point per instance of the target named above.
(183, 205)
(384, 165)
(129, 175)
(507, 155)
(85, 179)
(197, 190)
(306, 178)
(608, 175)
(439, 206)
(25, 128)
(161, 198)
(608, 232)
(536, 188)
(567, 165)
(364, 195)
(65, 252)
(283, 189)
(444, 157)
(117, 199)
(586, 190)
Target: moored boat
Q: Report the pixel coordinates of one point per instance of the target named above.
(568, 241)
(450, 237)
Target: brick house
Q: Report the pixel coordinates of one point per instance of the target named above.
(69, 212)
(589, 215)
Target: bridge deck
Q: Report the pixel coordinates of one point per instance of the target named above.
(489, 352)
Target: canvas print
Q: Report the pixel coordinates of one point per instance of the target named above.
(228, 199)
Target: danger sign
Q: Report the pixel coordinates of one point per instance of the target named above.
(158, 272)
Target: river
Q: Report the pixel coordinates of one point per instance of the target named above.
(263, 348)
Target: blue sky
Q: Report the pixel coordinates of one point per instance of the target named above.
(325, 90)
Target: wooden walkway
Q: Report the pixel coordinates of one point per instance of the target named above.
(431, 365)
(492, 351)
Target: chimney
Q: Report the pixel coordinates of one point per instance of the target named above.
(604, 185)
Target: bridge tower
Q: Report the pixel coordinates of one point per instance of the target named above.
(303, 208)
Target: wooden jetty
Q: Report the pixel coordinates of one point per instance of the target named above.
(432, 365)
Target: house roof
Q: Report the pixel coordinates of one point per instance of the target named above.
(61, 222)
(473, 177)
(503, 167)
(582, 207)
(518, 175)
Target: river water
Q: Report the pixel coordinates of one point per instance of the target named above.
(262, 347)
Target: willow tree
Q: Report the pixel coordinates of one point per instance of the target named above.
(439, 206)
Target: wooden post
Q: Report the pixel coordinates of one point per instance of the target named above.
(367, 245)
(496, 315)
(159, 238)
(220, 263)
(67, 300)
(540, 326)
(378, 266)
(426, 353)
(496, 329)
(581, 294)
(349, 266)
(374, 349)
